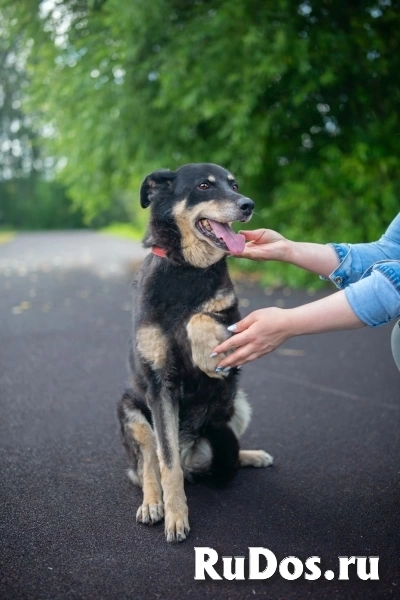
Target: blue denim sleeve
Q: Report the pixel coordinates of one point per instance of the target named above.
(370, 274)
(356, 259)
(375, 298)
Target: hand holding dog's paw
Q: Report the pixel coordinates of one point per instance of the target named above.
(150, 513)
(176, 525)
(210, 363)
(204, 334)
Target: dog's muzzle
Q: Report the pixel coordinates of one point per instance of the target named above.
(246, 206)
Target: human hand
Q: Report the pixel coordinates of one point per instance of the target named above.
(257, 334)
(264, 244)
(264, 330)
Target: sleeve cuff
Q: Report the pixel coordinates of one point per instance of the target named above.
(374, 299)
(342, 274)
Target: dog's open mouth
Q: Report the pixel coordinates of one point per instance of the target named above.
(222, 235)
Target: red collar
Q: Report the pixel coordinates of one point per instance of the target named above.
(159, 251)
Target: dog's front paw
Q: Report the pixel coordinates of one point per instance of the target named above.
(255, 458)
(150, 513)
(204, 334)
(176, 525)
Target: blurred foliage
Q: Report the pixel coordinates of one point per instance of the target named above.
(299, 99)
(32, 203)
(28, 198)
(125, 231)
(19, 154)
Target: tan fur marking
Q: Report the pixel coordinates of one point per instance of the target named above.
(176, 510)
(221, 301)
(204, 334)
(211, 178)
(173, 484)
(197, 249)
(144, 435)
(230, 177)
(152, 509)
(152, 345)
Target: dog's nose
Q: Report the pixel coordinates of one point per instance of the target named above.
(246, 205)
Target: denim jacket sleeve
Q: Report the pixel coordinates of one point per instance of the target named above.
(370, 276)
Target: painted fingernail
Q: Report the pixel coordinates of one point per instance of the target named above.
(219, 369)
(213, 354)
(226, 369)
(232, 327)
(239, 366)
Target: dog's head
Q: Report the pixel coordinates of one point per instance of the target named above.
(191, 212)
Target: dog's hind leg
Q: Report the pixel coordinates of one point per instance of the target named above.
(238, 423)
(140, 443)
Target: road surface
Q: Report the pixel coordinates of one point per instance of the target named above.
(327, 407)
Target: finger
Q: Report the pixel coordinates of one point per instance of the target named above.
(222, 348)
(253, 235)
(241, 356)
(252, 251)
(236, 341)
(243, 324)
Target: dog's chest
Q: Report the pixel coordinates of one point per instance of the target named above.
(183, 316)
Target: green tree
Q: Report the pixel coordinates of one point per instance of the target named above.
(29, 199)
(299, 99)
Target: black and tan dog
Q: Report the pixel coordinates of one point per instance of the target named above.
(179, 416)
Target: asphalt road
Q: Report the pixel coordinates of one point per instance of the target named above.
(327, 407)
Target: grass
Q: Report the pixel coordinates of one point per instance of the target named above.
(6, 236)
(123, 230)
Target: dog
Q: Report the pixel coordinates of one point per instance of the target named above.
(180, 417)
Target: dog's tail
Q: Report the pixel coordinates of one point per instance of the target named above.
(225, 455)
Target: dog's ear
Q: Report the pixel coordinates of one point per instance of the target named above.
(153, 183)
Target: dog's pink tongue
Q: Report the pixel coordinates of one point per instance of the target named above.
(235, 241)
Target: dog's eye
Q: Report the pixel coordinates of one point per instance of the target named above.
(235, 187)
(204, 186)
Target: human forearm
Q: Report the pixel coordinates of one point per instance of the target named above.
(317, 258)
(264, 330)
(332, 313)
(266, 244)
